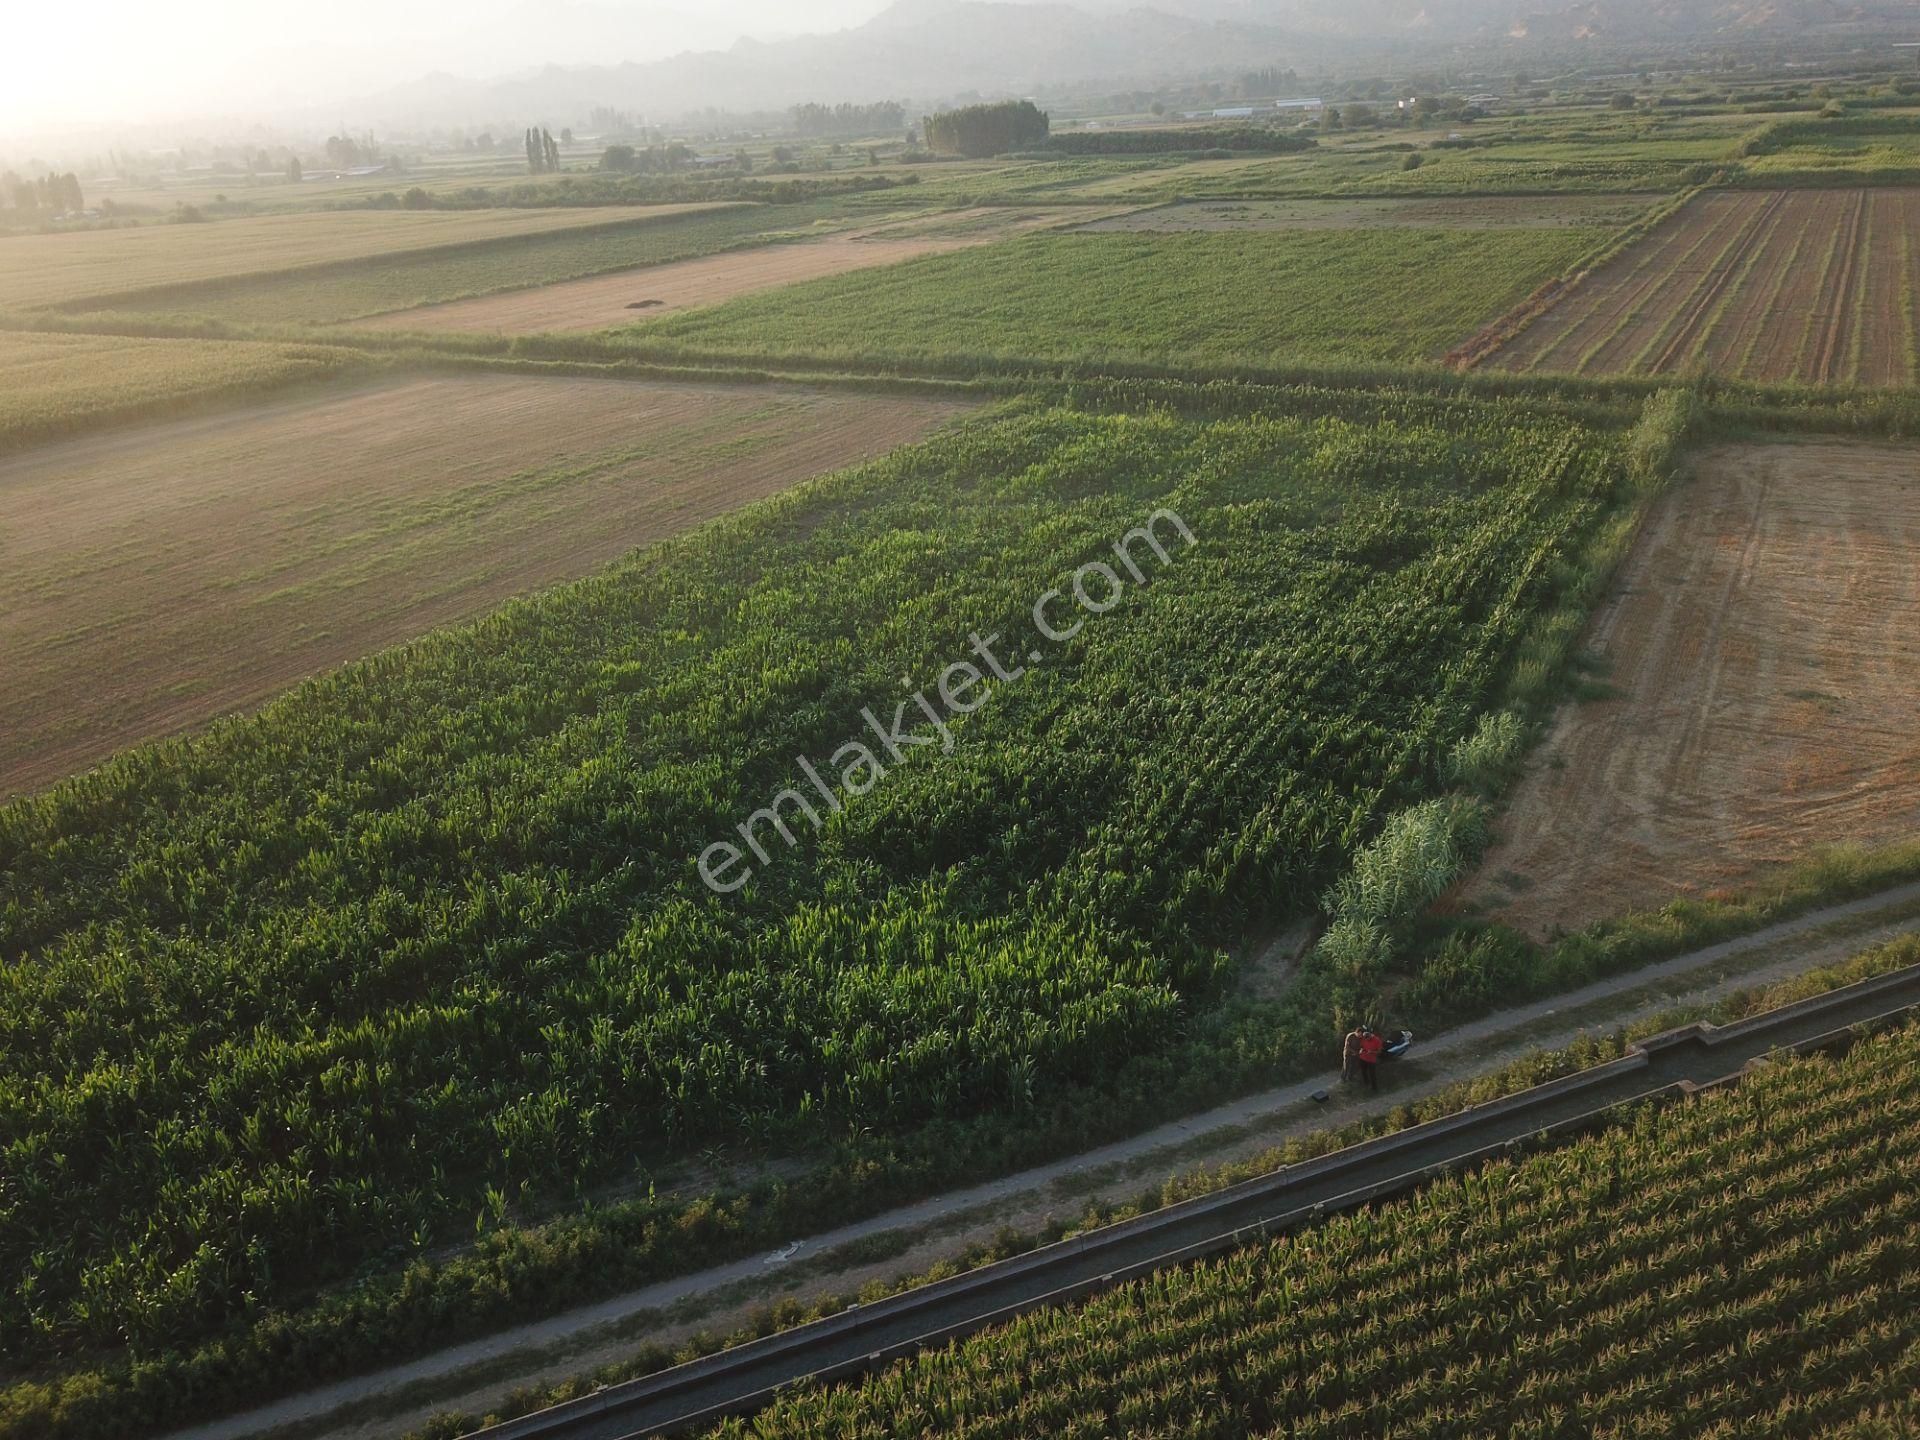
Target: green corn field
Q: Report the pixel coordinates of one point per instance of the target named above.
(310, 988)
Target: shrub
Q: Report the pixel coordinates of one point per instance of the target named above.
(1473, 971)
(1654, 445)
(1487, 758)
(1414, 860)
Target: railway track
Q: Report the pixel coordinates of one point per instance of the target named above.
(865, 1338)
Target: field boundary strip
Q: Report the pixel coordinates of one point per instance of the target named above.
(1839, 291)
(1675, 1064)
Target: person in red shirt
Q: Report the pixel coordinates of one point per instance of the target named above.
(1370, 1047)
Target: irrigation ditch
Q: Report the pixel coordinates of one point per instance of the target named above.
(1670, 1066)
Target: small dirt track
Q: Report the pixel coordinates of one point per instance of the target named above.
(475, 1375)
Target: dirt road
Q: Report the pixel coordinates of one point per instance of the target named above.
(1764, 649)
(386, 1404)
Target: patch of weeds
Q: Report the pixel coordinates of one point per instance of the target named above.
(1829, 704)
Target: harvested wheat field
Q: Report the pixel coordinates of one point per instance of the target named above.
(160, 577)
(627, 296)
(1786, 285)
(1764, 654)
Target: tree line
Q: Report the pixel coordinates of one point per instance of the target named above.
(347, 152)
(653, 160)
(51, 191)
(977, 131)
(884, 117)
(1185, 139)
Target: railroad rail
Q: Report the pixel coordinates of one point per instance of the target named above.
(864, 1338)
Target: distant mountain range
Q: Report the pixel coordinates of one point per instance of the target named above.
(1623, 21)
(932, 50)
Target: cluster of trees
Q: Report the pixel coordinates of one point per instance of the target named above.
(344, 152)
(543, 153)
(653, 160)
(1357, 115)
(605, 120)
(51, 192)
(884, 117)
(1442, 107)
(1422, 110)
(977, 131)
(1189, 138)
(613, 187)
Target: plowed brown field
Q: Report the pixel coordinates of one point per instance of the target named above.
(160, 577)
(1764, 645)
(1815, 286)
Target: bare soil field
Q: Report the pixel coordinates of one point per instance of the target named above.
(1440, 213)
(628, 296)
(162, 576)
(1763, 653)
(1814, 286)
(42, 270)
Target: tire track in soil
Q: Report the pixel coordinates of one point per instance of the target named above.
(1764, 649)
(1705, 313)
(1835, 295)
(1646, 320)
(1579, 319)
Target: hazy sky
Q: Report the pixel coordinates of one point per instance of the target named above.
(133, 60)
